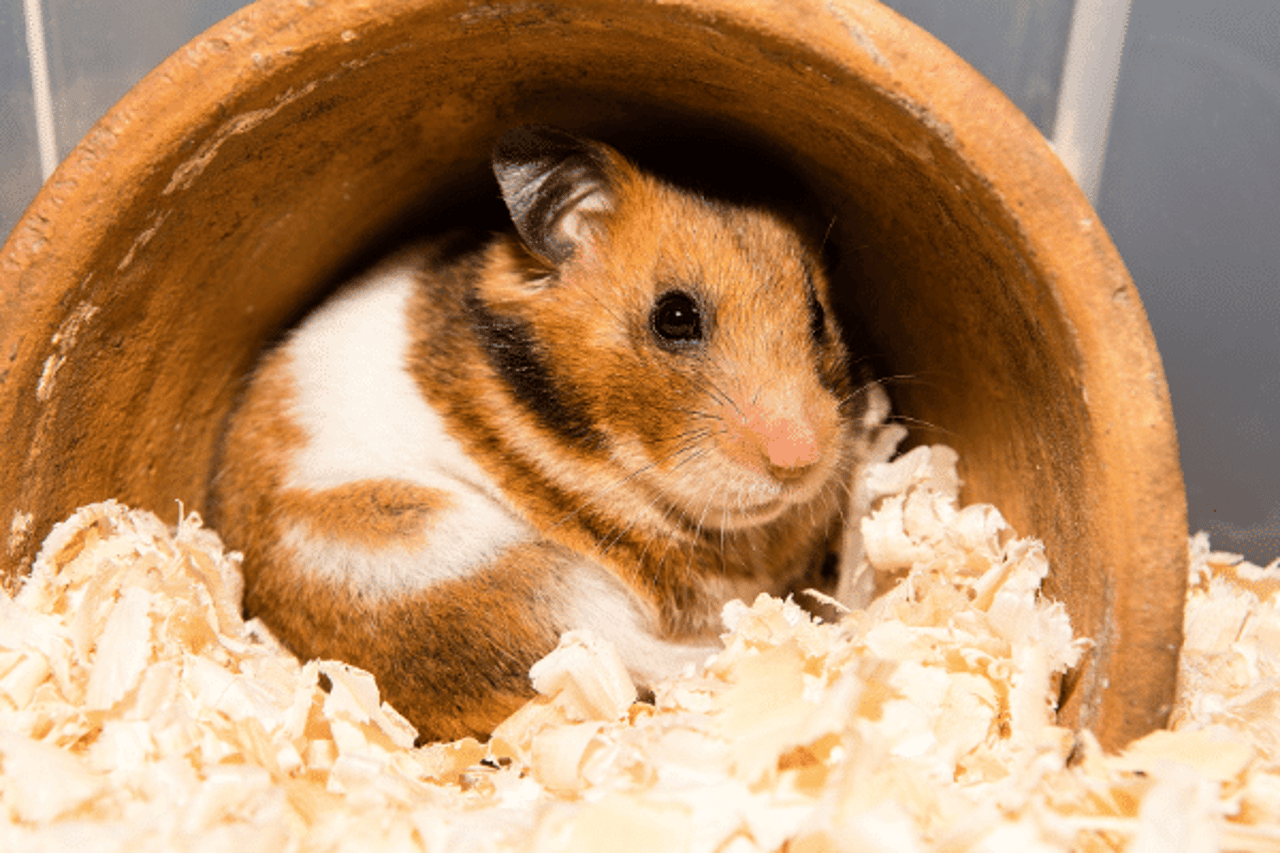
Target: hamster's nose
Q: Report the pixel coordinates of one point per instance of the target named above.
(790, 446)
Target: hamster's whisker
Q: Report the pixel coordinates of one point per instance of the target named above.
(723, 396)
(690, 435)
(624, 529)
(602, 493)
(861, 391)
(673, 532)
(608, 309)
(691, 451)
(724, 556)
(663, 523)
(827, 235)
(715, 393)
(912, 379)
(842, 486)
(693, 413)
(697, 531)
(649, 539)
(842, 492)
(920, 422)
(666, 513)
(685, 454)
(845, 485)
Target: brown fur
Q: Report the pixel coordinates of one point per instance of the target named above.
(369, 513)
(454, 658)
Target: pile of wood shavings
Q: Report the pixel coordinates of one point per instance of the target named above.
(139, 712)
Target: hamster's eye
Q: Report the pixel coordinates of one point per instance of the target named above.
(676, 318)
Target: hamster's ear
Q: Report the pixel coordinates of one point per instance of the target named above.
(552, 181)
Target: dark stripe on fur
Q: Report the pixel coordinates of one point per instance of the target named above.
(511, 350)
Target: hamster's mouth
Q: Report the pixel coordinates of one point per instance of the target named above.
(749, 508)
(758, 513)
(734, 518)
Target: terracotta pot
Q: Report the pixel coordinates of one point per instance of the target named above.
(225, 192)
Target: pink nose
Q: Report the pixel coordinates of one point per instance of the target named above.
(789, 444)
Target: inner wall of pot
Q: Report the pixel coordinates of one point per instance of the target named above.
(309, 169)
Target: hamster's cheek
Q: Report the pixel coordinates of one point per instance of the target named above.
(691, 478)
(705, 480)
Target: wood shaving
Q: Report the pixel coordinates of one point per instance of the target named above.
(138, 711)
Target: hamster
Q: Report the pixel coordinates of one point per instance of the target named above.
(631, 408)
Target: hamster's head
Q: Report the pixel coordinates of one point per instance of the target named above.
(687, 343)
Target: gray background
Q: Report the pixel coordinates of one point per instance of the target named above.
(1190, 186)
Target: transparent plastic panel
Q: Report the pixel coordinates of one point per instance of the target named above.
(1019, 46)
(98, 50)
(1191, 194)
(19, 154)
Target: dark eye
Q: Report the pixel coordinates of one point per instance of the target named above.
(676, 318)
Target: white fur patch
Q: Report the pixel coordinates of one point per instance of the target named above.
(601, 603)
(366, 419)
